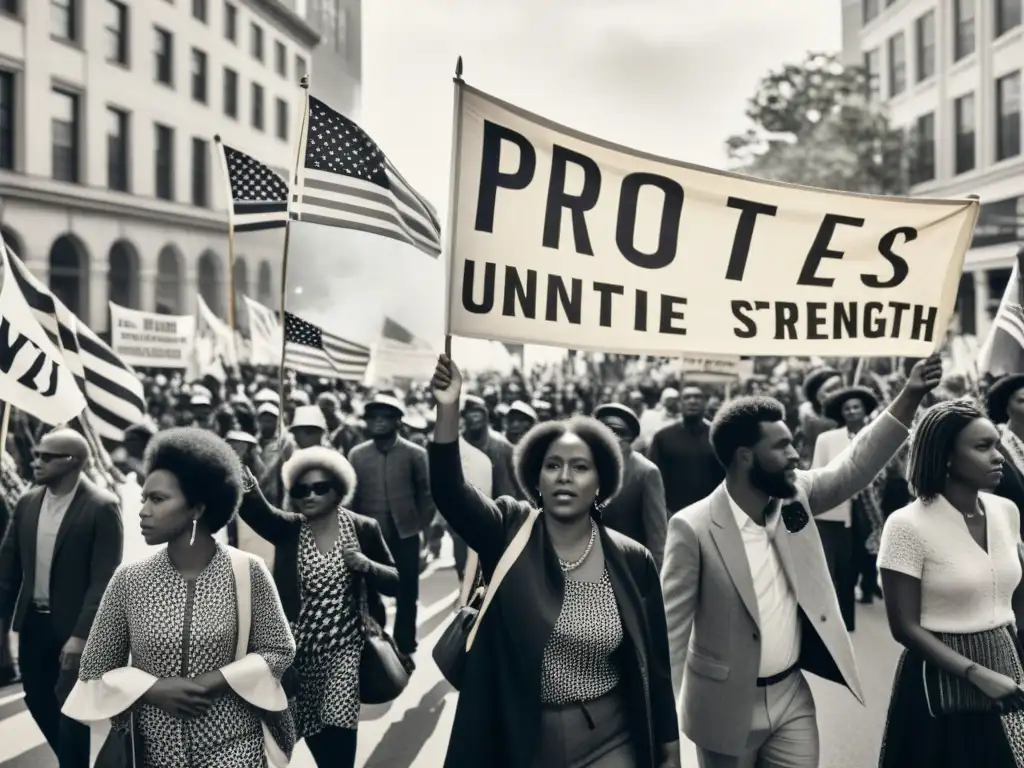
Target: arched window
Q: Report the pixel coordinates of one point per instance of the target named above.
(123, 274)
(168, 281)
(69, 274)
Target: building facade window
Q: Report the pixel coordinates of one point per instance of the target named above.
(923, 168)
(963, 28)
(281, 108)
(924, 38)
(199, 11)
(199, 76)
(164, 167)
(1008, 116)
(897, 64)
(300, 69)
(256, 41)
(200, 173)
(63, 20)
(280, 58)
(230, 93)
(164, 57)
(870, 8)
(118, 139)
(964, 140)
(230, 22)
(873, 74)
(10, 7)
(65, 136)
(1008, 16)
(8, 122)
(116, 28)
(257, 106)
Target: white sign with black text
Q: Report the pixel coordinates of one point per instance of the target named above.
(151, 340)
(564, 239)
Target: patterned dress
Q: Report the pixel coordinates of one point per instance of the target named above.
(171, 627)
(329, 634)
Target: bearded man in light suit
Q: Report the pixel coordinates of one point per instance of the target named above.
(749, 601)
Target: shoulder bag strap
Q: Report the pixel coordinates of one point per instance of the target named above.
(508, 557)
(243, 598)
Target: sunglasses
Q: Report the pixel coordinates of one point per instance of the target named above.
(303, 490)
(48, 457)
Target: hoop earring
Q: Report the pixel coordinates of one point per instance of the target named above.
(192, 540)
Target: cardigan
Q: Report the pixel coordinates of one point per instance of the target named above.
(498, 714)
(393, 487)
(282, 530)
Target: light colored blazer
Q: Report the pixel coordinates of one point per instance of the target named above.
(711, 609)
(828, 447)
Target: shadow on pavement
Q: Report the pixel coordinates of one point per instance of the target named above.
(403, 741)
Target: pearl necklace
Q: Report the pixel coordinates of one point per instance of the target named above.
(570, 567)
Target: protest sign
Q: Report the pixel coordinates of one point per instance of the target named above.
(560, 238)
(151, 340)
(33, 374)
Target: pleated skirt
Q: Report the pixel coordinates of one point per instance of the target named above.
(915, 739)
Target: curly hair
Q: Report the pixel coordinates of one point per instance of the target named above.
(533, 447)
(327, 460)
(206, 468)
(738, 424)
(933, 442)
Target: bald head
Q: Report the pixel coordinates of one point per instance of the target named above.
(65, 442)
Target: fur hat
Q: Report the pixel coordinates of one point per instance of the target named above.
(325, 459)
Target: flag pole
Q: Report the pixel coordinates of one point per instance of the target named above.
(5, 424)
(304, 83)
(232, 310)
(453, 185)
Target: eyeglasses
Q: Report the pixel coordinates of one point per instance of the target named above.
(303, 490)
(46, 458)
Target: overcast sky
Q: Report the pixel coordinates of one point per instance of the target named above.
(667, 76)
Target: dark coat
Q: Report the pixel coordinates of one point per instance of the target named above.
(498, 715)
(87, 551)
(282, 530)
(1011, 484)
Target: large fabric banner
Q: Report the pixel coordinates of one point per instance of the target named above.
(564, 239)
(33, 373)
(151, 340)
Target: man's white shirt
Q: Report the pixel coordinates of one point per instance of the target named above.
(777, 606)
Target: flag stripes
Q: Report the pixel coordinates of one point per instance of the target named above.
(346, 181)
(259, 195)
(310, 350)
(111, 387)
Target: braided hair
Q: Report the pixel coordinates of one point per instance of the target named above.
(933, 441)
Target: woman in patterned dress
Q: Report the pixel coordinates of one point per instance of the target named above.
(570, 667)
(327, 560)
(951, 578)
(162, 647)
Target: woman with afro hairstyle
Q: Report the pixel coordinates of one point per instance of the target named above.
(326, 560)
(161, 653)
(951, 577)
(570, 664)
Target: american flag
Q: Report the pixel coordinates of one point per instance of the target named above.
(310, 350)
(259, 196)
(346, 181)
(111, 387)
(1002, 352)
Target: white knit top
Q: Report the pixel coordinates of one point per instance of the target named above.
(963, 588)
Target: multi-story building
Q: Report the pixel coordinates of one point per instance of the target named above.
(950, 70)
(338, 59)
(110, 184)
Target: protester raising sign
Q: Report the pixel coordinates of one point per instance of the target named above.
(564, 239)
(33, 376)
(151, 340)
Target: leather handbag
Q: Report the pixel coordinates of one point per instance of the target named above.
(121, 749)
(453, 647)
(383, 669)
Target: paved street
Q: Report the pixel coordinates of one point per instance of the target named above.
(413, 731)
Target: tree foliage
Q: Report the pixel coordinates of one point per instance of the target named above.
(814, 124)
